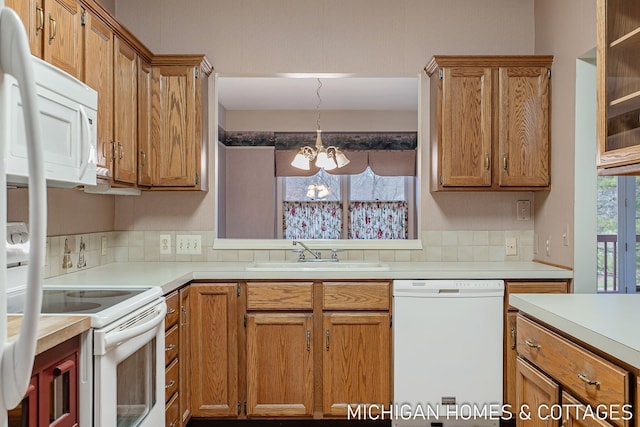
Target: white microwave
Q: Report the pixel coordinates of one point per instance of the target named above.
(68, 116)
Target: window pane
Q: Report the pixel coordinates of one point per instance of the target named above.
(321, 186)
(607, 233)
(368, 186)
(312, 220)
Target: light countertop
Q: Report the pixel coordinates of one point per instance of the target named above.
(171, 275)
(52, 330)
(607, 322)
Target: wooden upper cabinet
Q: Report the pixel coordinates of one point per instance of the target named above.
(144, 123)
(98, 73)
(524, 137)
(618, 87)
(465, 127)
(31, 13)
(490, 122)
(63, 45)
(125, 107)
(178, 117)
(54, 31)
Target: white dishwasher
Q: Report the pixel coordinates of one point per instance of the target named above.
(447, 348)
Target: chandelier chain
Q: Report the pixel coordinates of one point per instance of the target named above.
(319, 102)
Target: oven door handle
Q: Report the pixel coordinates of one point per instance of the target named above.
(113, 338)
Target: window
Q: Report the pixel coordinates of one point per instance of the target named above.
(618, 263)
(362, 206)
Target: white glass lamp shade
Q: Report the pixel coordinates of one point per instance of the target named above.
(341, 159)
(325, 162)
(300, 161)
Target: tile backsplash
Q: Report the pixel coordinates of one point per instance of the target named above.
(71, 253)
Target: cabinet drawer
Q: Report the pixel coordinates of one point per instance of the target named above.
(172, 413)
(572, 366)
(171, 344)
(560, 287)
(173, 310)
(279, 296)
(356, 296)
(171, 379)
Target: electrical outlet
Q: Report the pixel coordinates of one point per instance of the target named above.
(511, 246)
(103, 246)
(165, 244)
(188, 244)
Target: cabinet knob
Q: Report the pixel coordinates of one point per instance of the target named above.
(170, 347)
(170, 384)
(531, 344)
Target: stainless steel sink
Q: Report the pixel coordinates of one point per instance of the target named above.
(318, 266)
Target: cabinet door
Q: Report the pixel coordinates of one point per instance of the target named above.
(125, 103)
(185, 359)
(173, 126)
(574, 414)
(144, 123)
(98, 73)
(63, 35)
(618, 123)
(356, 362)
(31, 13)
(279, 364)
(534, 389)
(466, 127)
(524, 149)
(26, 413)
(58, 396)
(214, 352)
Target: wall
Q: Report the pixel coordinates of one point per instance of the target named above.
(565, 29)
(251, 193)
(379, 37)
(69, 211)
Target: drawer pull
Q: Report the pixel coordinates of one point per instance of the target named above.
(583, 378)
(171, 384)
(171, 311)
(170, 347)
(532, 344)
(513, 338)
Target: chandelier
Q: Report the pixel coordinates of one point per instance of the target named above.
(326, 158)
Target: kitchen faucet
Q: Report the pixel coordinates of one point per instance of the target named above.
(316, 255)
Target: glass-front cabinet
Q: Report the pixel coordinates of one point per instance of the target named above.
(618, 65)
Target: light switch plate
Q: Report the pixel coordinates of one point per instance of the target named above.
(511, 246)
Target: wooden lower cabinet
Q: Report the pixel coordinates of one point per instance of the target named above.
(574, 415)
(510, 330)
(279, 364)
(534, 391)
(214, 354)
(288, 349)
(356, 362)
(185, 356)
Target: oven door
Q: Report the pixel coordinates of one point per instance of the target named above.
(129, 369)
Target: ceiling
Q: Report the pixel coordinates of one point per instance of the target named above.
(344, 93)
